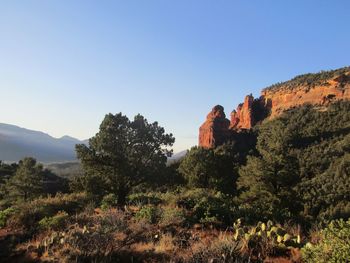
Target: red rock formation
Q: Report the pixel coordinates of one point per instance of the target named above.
(317, 89)
(285, 98)
(215, 130)
(243, 118)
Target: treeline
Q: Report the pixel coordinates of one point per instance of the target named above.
(309, 79)
(27, 180)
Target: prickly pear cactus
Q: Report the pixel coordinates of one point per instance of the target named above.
(273, 233)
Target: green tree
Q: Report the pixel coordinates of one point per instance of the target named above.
(6, 171)
(199, 168)
(27, 182)
(267, 182)
(123, 154)
(211, 168)
(302, 165)
(327, 196)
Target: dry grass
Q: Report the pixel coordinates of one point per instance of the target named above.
(99, 235)
(165, 244)
(142, 247)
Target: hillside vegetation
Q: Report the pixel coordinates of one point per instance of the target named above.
(309, 79)
(284, 199)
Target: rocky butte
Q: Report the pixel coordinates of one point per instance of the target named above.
(319, 89)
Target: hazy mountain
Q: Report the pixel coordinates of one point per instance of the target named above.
(177, 157)
(17, 142)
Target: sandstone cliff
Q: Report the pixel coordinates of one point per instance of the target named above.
(318, 89)
(321, 92)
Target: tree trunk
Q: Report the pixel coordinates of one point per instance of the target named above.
(121, 197)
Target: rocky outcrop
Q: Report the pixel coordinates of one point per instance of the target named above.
(243, 118)
(318, 89)
(215, 130)
(284, 98)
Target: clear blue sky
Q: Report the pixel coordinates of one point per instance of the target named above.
(65, 64)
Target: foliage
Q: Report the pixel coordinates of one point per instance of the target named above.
(29, 214)
(199, 168)
(267, 181)
(207, 206)
(5, 214)
(172, 216)
(310, 79)
(123, 154)
(27, 182)
(212, 168)
(295, 170)
(108, 201)
(328, 193)
(53, 184)
(151, 214)
(54, 222)
(6, 171)
(302, 157)
(333, 246)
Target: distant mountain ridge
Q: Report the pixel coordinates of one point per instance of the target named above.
(17, 142)
(177, 157)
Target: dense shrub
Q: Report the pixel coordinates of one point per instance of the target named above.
(172, 216)
(29, 214)
(207, 206)
(108, 201)
(54, 222)
(150, 214)
(5, 214)
(333, 245)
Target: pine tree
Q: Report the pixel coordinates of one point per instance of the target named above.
(27, 182)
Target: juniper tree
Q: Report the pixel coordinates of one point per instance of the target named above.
(123, 154)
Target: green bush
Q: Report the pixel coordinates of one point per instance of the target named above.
(5, 214)
(215, 208)
(333, 246)
(108, 201)
(29, 214)
(172, 216)
(207, 206)
(150, 214)
(189, 198)
(54, 222)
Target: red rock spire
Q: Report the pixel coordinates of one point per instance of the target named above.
(215, 130)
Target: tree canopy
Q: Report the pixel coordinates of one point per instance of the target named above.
(302, 166)
(27, 181)
(123, 154)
